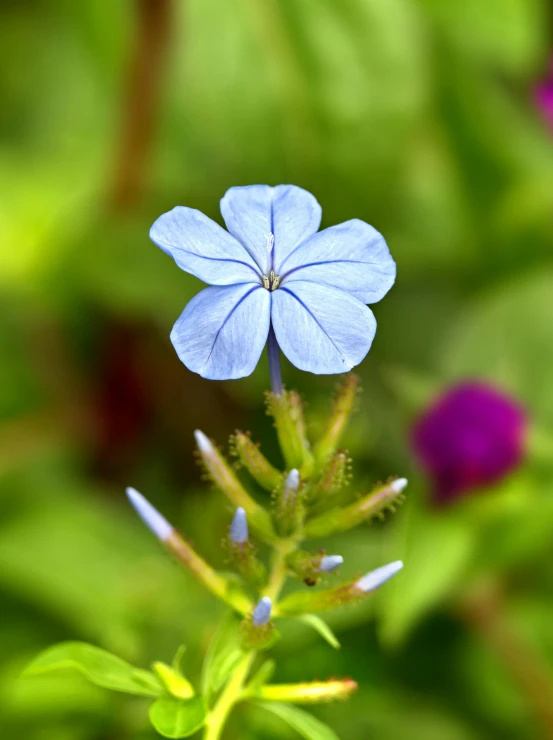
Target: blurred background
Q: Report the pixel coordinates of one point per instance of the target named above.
(431, 120)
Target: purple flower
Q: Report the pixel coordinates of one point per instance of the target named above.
(471, 436)
(543, 97)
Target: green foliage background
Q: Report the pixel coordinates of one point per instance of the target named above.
(415, 115)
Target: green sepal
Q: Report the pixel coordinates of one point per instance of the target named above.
(287, 412)
(309, 727)
(177, 718)
(98, 666)
(255, 462)
(247, 564)
(258, 638)
(337, 420)
(320, 626)
(261, 677)
(328, 491)
(339, 520)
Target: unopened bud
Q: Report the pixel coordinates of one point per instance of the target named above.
(330, 562)
(255, 462)
(262, 612)
(338, 418)
(339, 520)
(314, 692)
(289, 505)
(287, 411)
(376, 578)
(239, 527)
(149, 515)
(224, 478)
(301, 603)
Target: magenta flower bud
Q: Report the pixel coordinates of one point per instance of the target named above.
(543, 97)
(262, 612)
(239, 527)
(472, 436)
(330, 562)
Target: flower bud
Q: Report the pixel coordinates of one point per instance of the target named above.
(472, 436)
(287, 411)
(312, 567)
(339, 520)
(186, 555)
(243, 551)
(313, 692)
(289, 504)
(338, 418)
(224, 478)
(306, 603)
(239, 527)
(255, 462)
(328, 491)
(262, 612)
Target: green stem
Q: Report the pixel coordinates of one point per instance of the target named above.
(278, 571)
(230, 696)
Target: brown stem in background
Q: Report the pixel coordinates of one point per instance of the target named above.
(140, 107)
(483, 611)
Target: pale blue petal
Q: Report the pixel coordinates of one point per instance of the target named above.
(253, 212)
(351, 256)
(321, 329)
(200, 246)
(222, 331)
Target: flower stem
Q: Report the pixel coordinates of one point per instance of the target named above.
(230, 696)
(274, 363)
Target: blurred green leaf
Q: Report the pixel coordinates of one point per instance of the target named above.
(304, 723)
(320, 626)
(100, 667)
(223, 655)
(178, 718)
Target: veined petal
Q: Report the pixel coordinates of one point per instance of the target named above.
(253, 212)
(222, 331)
(200, 246)
(321, 329)
(352, 256)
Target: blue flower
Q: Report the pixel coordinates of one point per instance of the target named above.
(272, 269)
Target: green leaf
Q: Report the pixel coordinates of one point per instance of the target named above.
(178, 718)
(223, 655)
(263, 675)
(304, 723)
(98, 666)
(320, 626)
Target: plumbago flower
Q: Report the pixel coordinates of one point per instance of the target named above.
(274, 276)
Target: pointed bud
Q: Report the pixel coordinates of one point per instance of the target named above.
(289, 505)
(186, 555)
(255, 462)
(301, 602)
(224, 478)
(287, 411)
(262, 612)
(339, 520)
(239, 527)
(376, 578)
(314, 692)
(311, 567)
(338, 419)
(328, 491)
(329, 563)
(149, 515)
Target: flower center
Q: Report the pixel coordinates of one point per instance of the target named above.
(270, 280)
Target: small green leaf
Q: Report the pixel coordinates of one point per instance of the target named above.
(320, 626)
(222, 656)
(178, 718)
(98, 666)
(263, 675)
(304, 723)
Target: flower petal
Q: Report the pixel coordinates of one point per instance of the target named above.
(321, 329)
(200, 246)
(352, 256)
(222, 331)
(251, 213)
